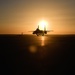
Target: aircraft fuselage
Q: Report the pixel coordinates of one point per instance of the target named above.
(40, 32)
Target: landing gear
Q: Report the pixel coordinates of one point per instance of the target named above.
(42, 34)
(37, 34)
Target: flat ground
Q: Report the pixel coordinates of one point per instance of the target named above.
(27, 54)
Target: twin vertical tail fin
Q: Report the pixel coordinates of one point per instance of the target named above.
(44, 28)
(38, 26)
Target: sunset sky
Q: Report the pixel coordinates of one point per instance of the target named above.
(18, 16)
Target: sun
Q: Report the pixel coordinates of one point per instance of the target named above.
(42, 24)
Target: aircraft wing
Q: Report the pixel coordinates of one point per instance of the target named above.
(49, 30)
(30, 31)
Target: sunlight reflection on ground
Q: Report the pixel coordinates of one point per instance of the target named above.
(32, 49)
(42, 41)
(38, 44)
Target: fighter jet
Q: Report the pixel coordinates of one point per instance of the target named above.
(39, 32)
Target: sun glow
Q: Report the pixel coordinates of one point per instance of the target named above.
(43, 41)
(43, 24)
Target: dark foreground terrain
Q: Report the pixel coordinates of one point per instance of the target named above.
(28, 55)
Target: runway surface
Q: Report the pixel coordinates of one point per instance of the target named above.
(42, 55)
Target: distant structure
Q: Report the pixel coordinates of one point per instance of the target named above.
(21, 33)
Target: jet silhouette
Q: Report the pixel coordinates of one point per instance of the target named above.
(39, 32)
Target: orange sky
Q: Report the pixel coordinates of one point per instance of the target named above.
(18, 16)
